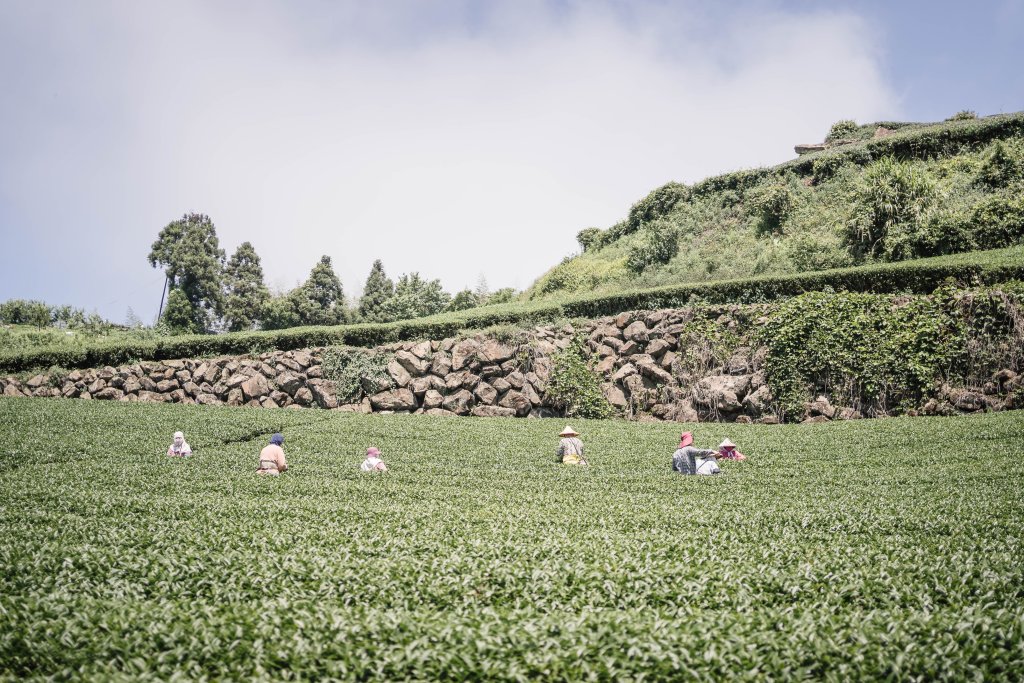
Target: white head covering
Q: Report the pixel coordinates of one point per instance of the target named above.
(727, 444)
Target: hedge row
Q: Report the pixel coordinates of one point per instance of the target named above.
(918, 277)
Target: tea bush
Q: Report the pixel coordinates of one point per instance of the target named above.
(856, 551)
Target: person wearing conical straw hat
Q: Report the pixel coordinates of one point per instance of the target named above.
(570, 448)
(727, 451)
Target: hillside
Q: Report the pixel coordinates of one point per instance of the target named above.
(875, 193)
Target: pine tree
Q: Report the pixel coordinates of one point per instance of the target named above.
(377, 290)
(179, 315)
(320, 300)
(414, 298)
(193, 261)
(247, 295)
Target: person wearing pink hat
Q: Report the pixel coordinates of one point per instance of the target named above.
(690, 460)
(373, 462)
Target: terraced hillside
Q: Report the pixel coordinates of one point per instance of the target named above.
(857, 550)
(877, 193)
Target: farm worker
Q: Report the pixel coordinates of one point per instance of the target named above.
(690, 460)
(570, 448)
(373, 462)
(727, 451)
(179, 447)
(272, 460)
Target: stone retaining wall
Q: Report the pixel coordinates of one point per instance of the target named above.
(639, 362)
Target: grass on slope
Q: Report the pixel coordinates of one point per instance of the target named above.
(847, 551)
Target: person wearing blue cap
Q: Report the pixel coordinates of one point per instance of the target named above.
(272, 460)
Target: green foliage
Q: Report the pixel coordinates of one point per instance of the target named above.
(320, 299)
(179, 314)
(415, 297)
(502, 296)
(478, 558)
(377, 290)
(656, 205)
(772, 204)
(247, 295)
(279, 313)
(462, 300)
(890, 199)
(192, 259)
(999, 220)
(574, 387)
(842, 130)
(1003, 163)
(349, 369)
(964, 115)
(659, 242)
(589, 238)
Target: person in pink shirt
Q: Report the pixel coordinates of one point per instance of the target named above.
(727, 451)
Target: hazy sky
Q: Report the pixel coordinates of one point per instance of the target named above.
(454, 138)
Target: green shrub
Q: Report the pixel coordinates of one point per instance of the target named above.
(999, 220)
(574, 387)
(589, 238)
(347, 368)
(842, 130)
(658, 244)
(964, 115)
(772, 205)
(1003, 163)
(890, 197)
(656, 205)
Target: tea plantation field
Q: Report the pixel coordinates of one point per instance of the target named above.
(874, 549)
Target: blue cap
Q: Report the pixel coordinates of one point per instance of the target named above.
(277, 439)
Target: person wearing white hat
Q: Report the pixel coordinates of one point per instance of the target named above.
(570, 448)
(727, 451)
(179, 448)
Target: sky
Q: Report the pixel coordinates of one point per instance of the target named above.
(454, 138)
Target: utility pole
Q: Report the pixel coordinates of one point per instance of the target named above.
(163, 293)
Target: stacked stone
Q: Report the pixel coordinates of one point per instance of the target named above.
(640, 362)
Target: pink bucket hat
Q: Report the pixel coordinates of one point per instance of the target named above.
(685, 439)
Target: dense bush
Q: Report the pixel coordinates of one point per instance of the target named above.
(589, 238)
(841, 130)
(772, 205)
(890, 199)
(658, 244)
(1003, 163)
(574, 388)
(350, 369)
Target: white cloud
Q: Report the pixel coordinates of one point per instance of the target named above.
(457, 149)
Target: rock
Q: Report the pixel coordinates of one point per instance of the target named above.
(493, 351)
(500, 385)
(441, 364)
(421, 350)
(315, 372)
(625, 371)
(432, 399)
(235, 397)
(532, 396)
(744, 420)
(279, 397)
(463, 353)
(686, 412)
(815, 420)
(462, 378)
(492, 411)
(399, 375)
(420, 385)
(990, 389)
(606, 331)
(722, 392)
(131, 386)
(614, 395)
(636, 332)
(1000, 378)
(439, 411)
(36, 382)
(375, 385)
(458, 402)
(970, 401)
(165, 386)
(668, 359)
(517, 401)
(605, 352)
(69, 391)
(630, 348)
(649, 369)
(757, 402)
(739, 362)
(849, 414)
(490, 370)
(97, 386)
(302, 358)
(147, 384)
(622, 319)
(605, 366)
(516, 379)
(657, 347)
(287, 364)
(413, 364)
(613, 343)
(75, 376)
(151, 397)
(303, 396)
(324, 394)
(232, 382)
(289, 383)
(208, 400)
(255, 387)
(398, 399)
(821, 406)
(178, 396)
(485, 393)
(183, 376)
(767, 420)
(191, 388)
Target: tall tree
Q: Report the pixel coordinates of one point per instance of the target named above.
(463, 300)
(247, 295)
(415, 297)
(320, 299)
(193, 261)
(377, 290)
